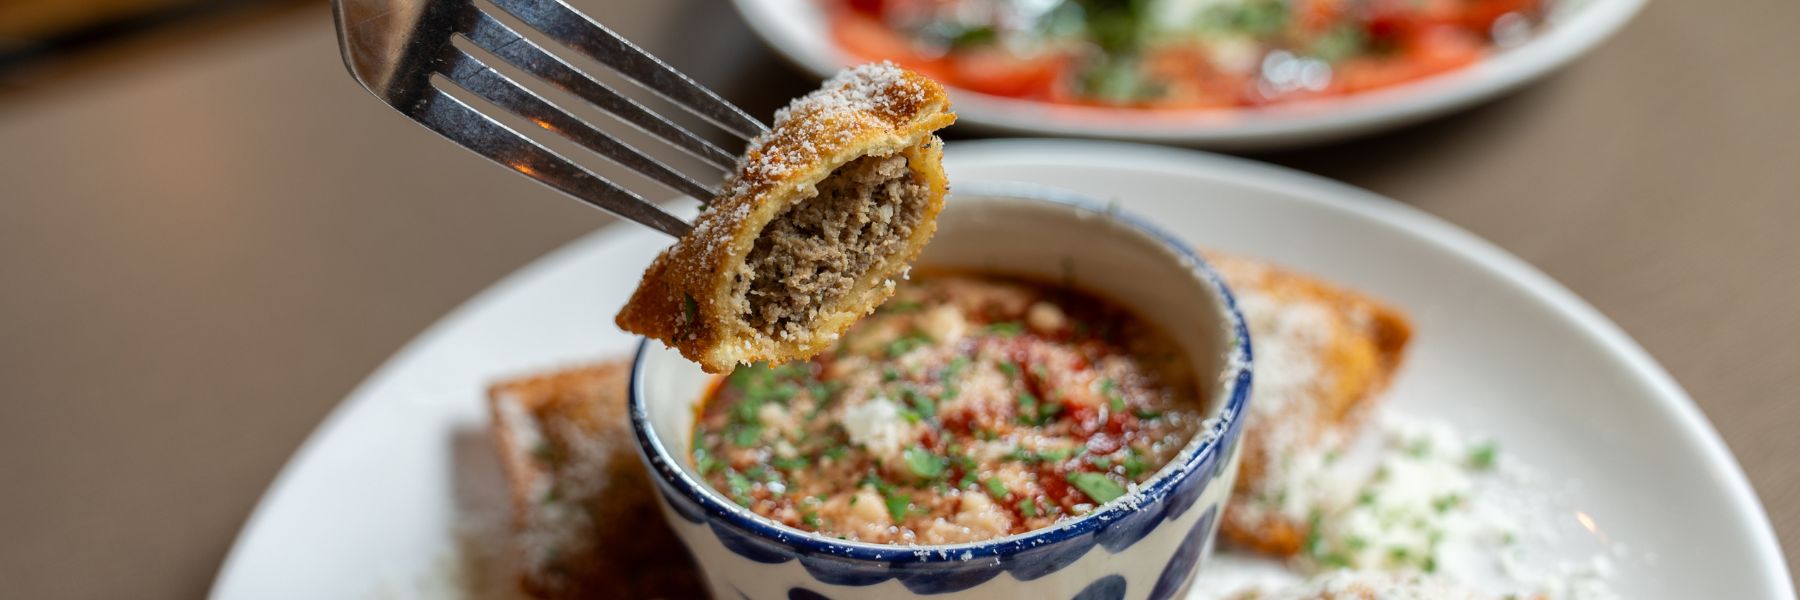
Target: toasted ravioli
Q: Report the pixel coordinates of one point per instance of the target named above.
(822, 213)
(579, 491)
(1323, 355)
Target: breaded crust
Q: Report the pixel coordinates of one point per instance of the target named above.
(1348, 346)
(587, 521)
(685, 298)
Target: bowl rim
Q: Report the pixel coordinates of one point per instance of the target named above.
(1219, 430)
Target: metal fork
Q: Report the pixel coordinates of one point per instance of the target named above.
(396, 48)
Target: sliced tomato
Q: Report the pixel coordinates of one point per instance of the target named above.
(1315, 17)
(1193, 82)
(1001, 73)
(1479, 15)
(1427, 52)
(871, 39)
(872, 8)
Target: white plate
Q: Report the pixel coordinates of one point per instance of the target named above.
(797, 29)
(369, 505)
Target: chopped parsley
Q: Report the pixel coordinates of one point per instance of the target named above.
(707, 464)
(922, 463)
(951, 371)
(1114, 399)
(1006, 328)
(896, 504)
(745, 435)
(1484, 456)
(1134, 464)
(738, 486)
(920, 402)
(790, 464)
(1097, 486)
(907, 343)
(1028, 407)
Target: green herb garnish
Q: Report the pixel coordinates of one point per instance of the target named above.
(922, 463)
(1097, 486)
(920, 402)
(1028, 407)
(951, 371)
(896, 505)
(1484, 456)
(707, 464)
(995, 488)
(1114, 399)
(1134, 464)
(1057, 455)
(744, 436)
(738, 486)
(1006, 328)
(907, 343)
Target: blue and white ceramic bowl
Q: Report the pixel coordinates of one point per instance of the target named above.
(1147, 544)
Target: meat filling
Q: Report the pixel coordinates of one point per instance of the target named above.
(808, 258)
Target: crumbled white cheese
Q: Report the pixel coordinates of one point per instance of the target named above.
(877, 426)
(1348, 585)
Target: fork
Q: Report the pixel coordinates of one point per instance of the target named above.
(404, 52)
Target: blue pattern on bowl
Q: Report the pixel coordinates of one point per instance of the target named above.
(806, 594)
(1110, 587)
(1033, 563)
(1175, 575)
(836, 571)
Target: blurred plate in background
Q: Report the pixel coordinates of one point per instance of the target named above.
(799, 30)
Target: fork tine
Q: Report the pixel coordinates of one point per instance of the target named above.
(466, 126)
(502, 41)
(483, 80)
(573, 29)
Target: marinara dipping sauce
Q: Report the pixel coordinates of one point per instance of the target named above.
(969, 407)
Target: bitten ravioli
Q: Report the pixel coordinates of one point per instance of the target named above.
(824, 211)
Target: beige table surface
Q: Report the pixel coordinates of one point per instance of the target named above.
(204, 248)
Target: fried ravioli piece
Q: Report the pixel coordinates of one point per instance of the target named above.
(580, 493)
(823, 212)
(1323, 356)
